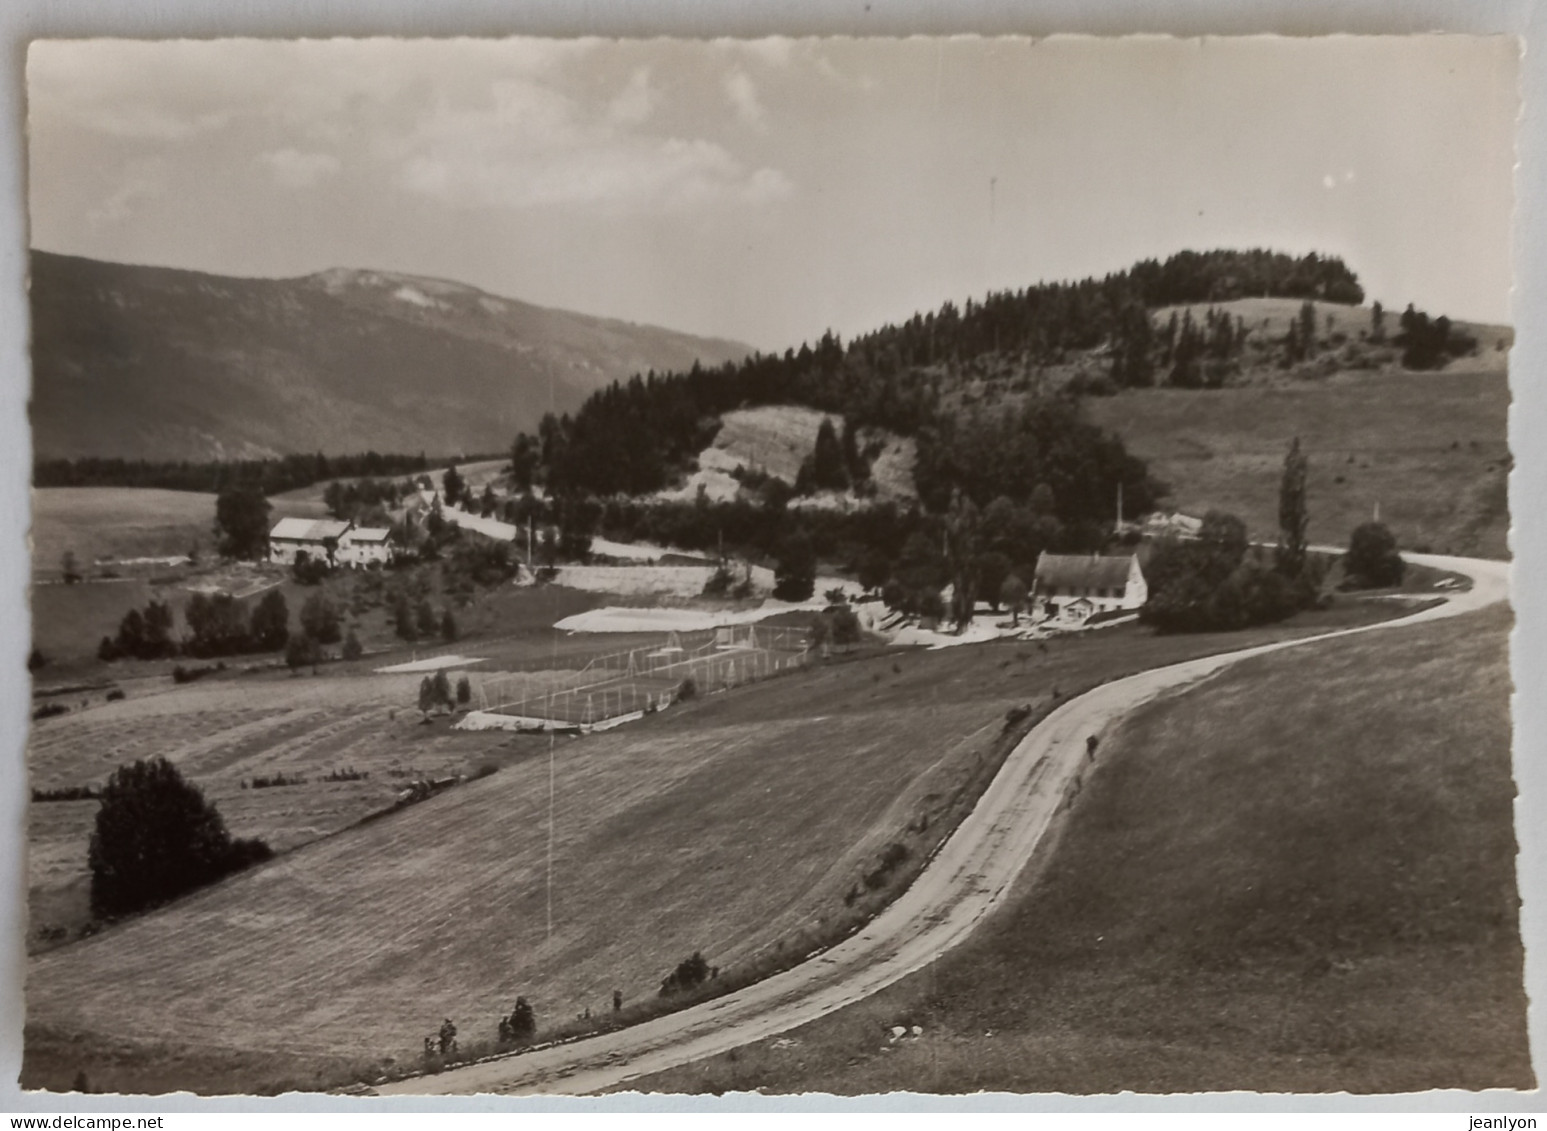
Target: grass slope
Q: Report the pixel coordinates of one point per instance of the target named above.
(735, 824)
(1430, 448)
(1239, 900)
(165, 364)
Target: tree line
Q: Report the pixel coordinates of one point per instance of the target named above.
(633, 437)
(219, 624)
(271, 476)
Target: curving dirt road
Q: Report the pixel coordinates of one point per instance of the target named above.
(965, 881)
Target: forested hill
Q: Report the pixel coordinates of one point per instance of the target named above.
(633, 437)
(160, 364)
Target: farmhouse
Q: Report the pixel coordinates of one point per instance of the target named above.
(316, 538)
(362, 545)
(1077, 586)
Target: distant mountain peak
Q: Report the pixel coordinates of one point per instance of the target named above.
(161, 363)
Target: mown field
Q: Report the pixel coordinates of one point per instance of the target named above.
(116, 522)
(735, 824)
(223, 733)
(1430, 448)
(113, 523)
(1308, 890)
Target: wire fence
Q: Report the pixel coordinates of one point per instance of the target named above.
(651, 677)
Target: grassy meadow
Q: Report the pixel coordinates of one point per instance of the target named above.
(740, 824)
(1430, 448)
(1311, 890)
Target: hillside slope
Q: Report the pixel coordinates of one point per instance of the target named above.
(1230, 906)
(167, 364)
(1431, 450)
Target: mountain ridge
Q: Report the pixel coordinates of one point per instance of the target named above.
(150, 362)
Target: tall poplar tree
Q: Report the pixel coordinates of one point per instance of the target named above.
(1292, 514)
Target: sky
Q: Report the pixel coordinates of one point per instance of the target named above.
(769, 190)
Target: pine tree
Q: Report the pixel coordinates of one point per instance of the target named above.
(828, 472)
(452, 485)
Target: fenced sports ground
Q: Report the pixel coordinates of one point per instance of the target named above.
(593, 690)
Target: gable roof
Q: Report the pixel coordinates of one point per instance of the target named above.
(308, 529)
(368, 534)
(1083, 571)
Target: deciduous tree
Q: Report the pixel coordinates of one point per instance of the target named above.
(242, 521)
(156, 837)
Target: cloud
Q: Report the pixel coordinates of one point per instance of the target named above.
(635, 102)
(528, 145)
(294, 169)
(742, 92)
(145, 179)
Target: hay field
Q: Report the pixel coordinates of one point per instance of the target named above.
(734, 824)
(221, 733)
(109, 523)
(1312, 890)
(1430, 448)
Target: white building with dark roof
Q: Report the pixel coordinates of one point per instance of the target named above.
(315, 537)
(1077, 586)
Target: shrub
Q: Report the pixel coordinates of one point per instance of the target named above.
(1372, 561)
(273, 781)
(845, 626)
(687, 689)
(521, 1025)
(115, 695)
(690, 973)
(36, 660)
(66, 793)
(181, 674)
(894, 855)
(156, 837)
(49, 710)
(352, 649)
(308, 570)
